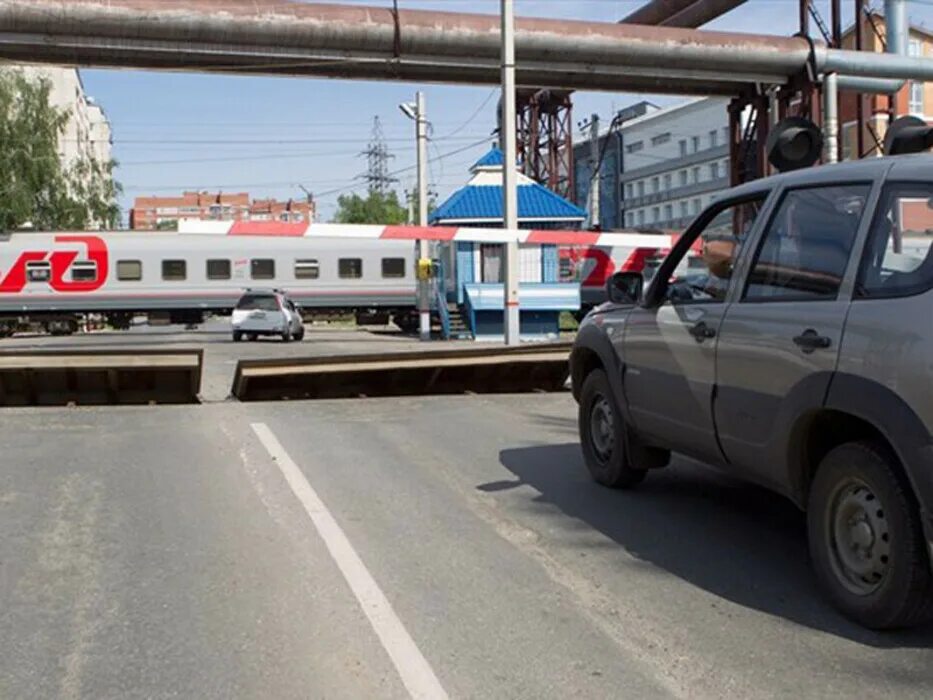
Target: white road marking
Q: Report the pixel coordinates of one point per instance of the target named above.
(415, 672)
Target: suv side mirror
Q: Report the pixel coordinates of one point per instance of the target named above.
(625, 287)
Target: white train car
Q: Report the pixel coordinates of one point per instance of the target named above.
(53, 277)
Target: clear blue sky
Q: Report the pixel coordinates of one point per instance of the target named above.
(318, 127)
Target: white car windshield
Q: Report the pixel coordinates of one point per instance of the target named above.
(258, 302)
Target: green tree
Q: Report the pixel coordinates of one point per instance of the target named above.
(374, 208)
(35, 186)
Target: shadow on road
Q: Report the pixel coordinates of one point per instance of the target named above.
(732, 539)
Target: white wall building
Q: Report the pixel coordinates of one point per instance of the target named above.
(87, 133)
(674, 162)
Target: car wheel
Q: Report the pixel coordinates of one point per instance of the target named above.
(237, 336)
(251, 337)
(287, 335)
(602, 435)
(301, 334)
(866, 538)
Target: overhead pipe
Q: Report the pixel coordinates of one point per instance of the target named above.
(701, 12)
(270, 36)
(896, 38)
(351, 41)
(656, 11)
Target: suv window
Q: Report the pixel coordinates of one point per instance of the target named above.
(898, 260)
(804, 252)
(706, 277)
(258, 302)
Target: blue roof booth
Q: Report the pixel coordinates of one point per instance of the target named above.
(474, 270)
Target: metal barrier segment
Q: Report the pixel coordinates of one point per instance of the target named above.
(100, 377)
(472, 370)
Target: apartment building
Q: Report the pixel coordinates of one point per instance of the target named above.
(87, 133)
(150, 213)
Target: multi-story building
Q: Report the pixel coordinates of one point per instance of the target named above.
(912, 99)
(165, 212)
(660, 167)
(274, 210)
(675, 161)
(87, 132)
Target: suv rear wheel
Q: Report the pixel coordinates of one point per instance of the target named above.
(602, 435)
(866, 539)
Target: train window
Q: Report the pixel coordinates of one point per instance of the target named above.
(218, 269)
(262, 269)
(307, 270)
(350, 268)
(84, 271)
(38, 271)
(174, 270)
(129, 270)
(393, 267)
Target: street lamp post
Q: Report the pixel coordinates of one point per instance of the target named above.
(416, 112)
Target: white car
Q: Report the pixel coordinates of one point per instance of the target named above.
(266, 313)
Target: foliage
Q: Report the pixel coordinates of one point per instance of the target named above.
(375, 208)
(35, 186)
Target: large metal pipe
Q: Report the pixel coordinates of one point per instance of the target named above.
(831, 117)
(895, 22)
(701, 12)
(874, 86)
(896, 33)
(351, 41)
(656, 11)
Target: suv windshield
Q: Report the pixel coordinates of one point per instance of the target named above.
(258, 302)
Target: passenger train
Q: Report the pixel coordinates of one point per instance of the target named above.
(51, 278)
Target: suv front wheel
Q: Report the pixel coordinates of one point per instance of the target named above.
(602, 435)
(866, 539)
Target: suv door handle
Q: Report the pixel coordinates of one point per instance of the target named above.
(810, 340)
(700, 331)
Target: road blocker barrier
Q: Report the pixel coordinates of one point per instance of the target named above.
(472, 370)
(100, 377)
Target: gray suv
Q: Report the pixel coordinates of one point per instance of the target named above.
(799, 355)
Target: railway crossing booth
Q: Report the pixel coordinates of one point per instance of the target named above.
(472, 272)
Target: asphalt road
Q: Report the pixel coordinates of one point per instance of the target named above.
(453, 544)
(221, 353)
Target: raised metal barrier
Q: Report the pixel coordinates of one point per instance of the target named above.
(478, 370)
(99, 377)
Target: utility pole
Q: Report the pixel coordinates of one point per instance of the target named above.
(421, 123)
(595, 183)
(509, 176)
(416, 112)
